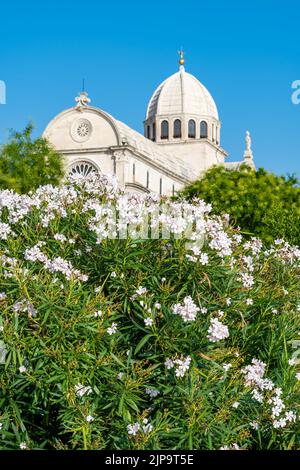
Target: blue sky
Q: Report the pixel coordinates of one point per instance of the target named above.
(247, 55)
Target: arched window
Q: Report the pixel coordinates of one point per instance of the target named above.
(217, 135)
(153, 131)
(213, 133)
(82, 167)
(164, 132)
(203, 130)
(148, 132)
(192, 129)
(177, 129)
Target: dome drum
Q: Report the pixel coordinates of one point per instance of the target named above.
(193, 128)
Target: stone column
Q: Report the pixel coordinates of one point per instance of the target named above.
(121, 158)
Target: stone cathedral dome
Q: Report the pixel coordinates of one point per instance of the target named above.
(182, 93)
(181, 109)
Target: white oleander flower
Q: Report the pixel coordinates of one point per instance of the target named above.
(147, 426)
(60, 237)
(141, 291)
(133, 429)
(148, 321)
(203, 259)
(152, 392)
(5, 230)
(112, 329)
(169, 363)
(82, 390)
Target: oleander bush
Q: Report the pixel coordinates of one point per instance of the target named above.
(111, 340)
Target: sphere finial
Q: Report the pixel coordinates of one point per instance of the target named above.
(181, 57)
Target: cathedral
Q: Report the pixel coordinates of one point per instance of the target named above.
(182, 138)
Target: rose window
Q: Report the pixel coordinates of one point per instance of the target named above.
(81, 130)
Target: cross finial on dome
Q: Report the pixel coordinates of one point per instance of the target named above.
(181, 57)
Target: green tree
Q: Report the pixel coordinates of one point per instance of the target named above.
(259, 202)
(26, 163)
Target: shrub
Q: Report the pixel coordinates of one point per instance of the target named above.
(27, 163)
(260, 203)
(142, 344)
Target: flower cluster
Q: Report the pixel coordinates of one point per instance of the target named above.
(112, 329)
(187, 310)
(182, 363)
(58, 264)
(5, 230)
(233, 446)
(145, 427)
(217, 331)
(24, 306)
(254, 378)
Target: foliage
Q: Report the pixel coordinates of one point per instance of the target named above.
(27, 163)
(266, 205)
(93, 329)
